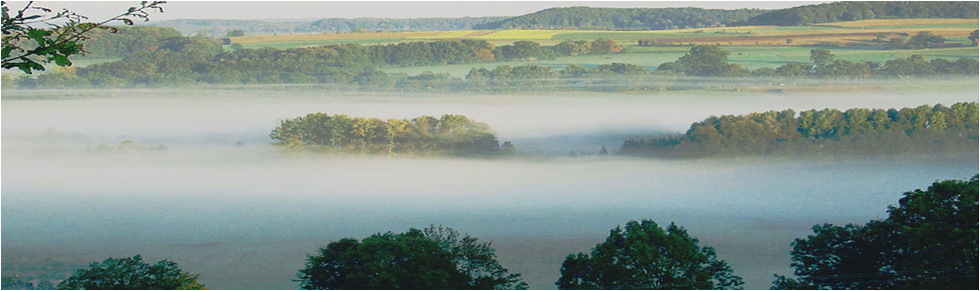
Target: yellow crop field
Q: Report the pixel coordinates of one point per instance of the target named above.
(900, 22)
(453, 34)
(520, 34)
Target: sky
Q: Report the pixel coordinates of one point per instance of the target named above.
(98, 10)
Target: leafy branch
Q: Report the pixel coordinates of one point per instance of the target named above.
(61, 35)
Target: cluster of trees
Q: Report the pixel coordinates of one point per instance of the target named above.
(859, 10)
(449, 134)
(600, 46)
(924, 129)
(704, 60)
(928, 241)
(923, 39)
(623, 18)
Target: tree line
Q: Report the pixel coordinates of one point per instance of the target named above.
(861, 10)
(928, 241)
(424, 135)
(925, 129)
(709, 60)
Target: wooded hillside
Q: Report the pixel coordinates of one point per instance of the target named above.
(859, 10)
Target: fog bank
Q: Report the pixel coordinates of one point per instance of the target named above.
(203, 187)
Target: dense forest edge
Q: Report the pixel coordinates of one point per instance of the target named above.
(937, 130)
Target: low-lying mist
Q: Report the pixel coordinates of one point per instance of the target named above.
(200, 185)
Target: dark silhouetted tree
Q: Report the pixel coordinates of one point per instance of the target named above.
(131, 274)
(646, 256)
(434, 258)
(928, 241)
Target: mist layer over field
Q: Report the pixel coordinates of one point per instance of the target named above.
(210, 193)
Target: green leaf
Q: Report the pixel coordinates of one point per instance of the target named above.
(6, 51)
(61, 60)
(38, 34)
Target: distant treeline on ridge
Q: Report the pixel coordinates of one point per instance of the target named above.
(623, 18)
(922, 130)
(862, 10)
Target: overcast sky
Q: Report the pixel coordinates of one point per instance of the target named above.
(98, 10)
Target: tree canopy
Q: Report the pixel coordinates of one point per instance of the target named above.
(704, 60)
(646, 256)
(449, 134)
(131, 274)
(928, 241)
(433, 258)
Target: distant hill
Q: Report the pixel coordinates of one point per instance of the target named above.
(860, 10)
(623, 18)
(220, 27)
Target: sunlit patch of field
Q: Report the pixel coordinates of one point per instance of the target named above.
(453, 34)
(520, 34)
